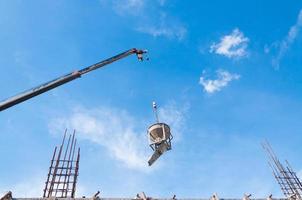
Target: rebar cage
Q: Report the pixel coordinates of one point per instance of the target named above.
(64, 170)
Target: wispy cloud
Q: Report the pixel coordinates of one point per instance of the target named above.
(150, 17)
(133, 7)
(117, 131)
(110, 128)
(215, 85)
(174, 115)
(166, 28)
(286, 42)
(233, 45)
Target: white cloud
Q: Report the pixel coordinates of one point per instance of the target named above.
(165, 26)
(215, 85)
(113, 129)
(231, 46)
(117, 131)
(150, 17)
(174, 116)
(172, 32)
(133, 7)
(287, 41)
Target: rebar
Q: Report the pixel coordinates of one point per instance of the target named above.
(285, 176)
(63, 172)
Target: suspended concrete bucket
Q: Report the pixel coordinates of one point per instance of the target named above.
(159, 138)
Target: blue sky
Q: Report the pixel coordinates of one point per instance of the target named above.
(226, 75)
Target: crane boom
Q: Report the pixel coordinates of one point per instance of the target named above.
(19, 98)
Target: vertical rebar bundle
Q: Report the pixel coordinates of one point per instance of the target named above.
(64, 170)
(284, 174)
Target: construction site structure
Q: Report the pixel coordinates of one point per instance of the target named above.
(65, 79)
(64, 170)
(159, 137)
(140, 196)
(64, 167)
(287, 179)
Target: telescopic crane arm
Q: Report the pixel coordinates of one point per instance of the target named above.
(65, 79)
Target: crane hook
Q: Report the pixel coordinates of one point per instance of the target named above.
(140, 54)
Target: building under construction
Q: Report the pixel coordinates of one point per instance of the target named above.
(62, 176)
